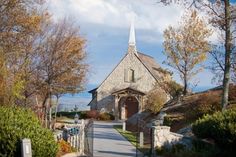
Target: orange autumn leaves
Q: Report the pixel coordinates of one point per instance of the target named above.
(38, 55)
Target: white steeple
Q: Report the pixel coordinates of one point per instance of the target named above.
(132, 35)
(132, 43)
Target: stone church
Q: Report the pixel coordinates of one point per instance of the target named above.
(123, 91)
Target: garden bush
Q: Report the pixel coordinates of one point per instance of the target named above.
(92, 114)
(155, 101)
(83, 115)
(106, 116)
(221, 127)
(174, 89)
(206, 103)
(199, 149)
(167, 121)
(68, 114)
(64, 148)
(17, 123)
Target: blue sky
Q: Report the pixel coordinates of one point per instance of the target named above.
(105, 25)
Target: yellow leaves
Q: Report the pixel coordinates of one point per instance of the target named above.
(186, 46)
(17, 88)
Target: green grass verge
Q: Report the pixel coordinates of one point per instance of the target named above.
(132, 138)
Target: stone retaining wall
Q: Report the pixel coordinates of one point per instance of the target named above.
(163, 137)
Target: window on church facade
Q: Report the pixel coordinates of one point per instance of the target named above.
(129, 75)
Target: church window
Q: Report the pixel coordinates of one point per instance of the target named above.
(129, 75)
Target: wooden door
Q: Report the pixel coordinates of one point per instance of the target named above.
(131, 106)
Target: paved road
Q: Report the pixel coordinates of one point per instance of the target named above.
(109, 143)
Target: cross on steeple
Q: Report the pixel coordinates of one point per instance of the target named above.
(132, 43)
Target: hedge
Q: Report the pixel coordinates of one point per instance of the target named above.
(221, 127)
(17, 123)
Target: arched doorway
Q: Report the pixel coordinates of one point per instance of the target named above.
(128, 101)
(131, 105)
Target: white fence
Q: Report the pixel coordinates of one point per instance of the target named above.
(77, 135)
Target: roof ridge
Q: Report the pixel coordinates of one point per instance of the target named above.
(145, 54)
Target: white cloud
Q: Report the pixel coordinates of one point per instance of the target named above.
(118, 13)
(105, 24)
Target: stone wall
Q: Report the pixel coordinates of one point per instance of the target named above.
(163, 137)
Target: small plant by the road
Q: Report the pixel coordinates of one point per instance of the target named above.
(17, 123)
(130, 136)
(64, 147)
(106, 116)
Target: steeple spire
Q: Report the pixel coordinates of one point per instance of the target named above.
(132, 43)
(132, 35)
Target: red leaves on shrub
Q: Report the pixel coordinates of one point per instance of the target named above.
(64, 148)
(92, 114)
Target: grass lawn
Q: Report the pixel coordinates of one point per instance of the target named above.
(132, 138)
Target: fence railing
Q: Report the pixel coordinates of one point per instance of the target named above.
(88, 138)
(79, 136)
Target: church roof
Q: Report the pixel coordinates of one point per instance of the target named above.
(152, 66)
(93, 90)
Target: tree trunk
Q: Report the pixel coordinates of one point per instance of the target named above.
(50, 110)
(226, 79)
(45, 109)
(56, 110)
(185, 85)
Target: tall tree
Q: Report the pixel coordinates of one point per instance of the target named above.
(222, 15)
(61, 56)
(19, 21)
(217, 63)
(186, 46)
(39, 57)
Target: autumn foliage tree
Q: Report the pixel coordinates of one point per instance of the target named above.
(222, 15)
(19, 22)
(186, 46)
(40, 57)
(61, 55)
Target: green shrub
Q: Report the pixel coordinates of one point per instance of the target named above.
(83, 115)
(167, 121)
(173, 150)
(18, 123)
(106, 116)
(199, 149)
(68, 114)
(221, 127)
(174, 89)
